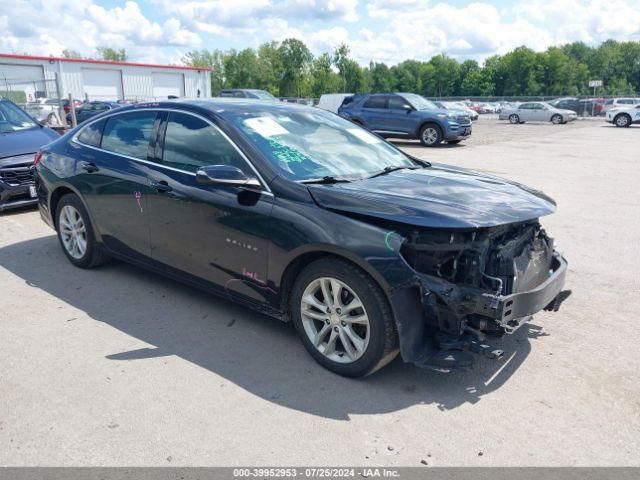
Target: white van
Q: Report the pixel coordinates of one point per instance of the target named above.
(332, 101)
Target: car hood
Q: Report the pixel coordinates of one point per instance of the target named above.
(437, 197)
(25, 141)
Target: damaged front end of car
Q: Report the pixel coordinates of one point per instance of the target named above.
(470, 285)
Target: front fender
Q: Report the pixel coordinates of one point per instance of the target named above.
(299, 229)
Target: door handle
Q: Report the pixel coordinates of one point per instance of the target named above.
(161, 186)
(89, 167)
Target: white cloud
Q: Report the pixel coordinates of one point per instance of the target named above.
(381, 30)
(48, 27)
(420, 30)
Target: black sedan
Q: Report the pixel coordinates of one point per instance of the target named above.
(309, 218)
(91, 109)
(20, 138)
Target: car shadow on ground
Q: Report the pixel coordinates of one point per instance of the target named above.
(416, 143)
(257, 353)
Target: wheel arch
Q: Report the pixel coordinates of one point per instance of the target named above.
(622, 114)
(312, 253)
(430, 121)
(59, 192)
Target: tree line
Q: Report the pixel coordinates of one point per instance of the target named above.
(288, 69)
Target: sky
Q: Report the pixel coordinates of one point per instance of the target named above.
(390, 31)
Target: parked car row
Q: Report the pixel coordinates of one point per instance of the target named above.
(537, 112)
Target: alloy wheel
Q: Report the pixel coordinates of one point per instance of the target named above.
(430, 135)
(335, 320)
(622, 121)
(73, 232)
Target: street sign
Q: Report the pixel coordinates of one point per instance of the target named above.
(595, 83)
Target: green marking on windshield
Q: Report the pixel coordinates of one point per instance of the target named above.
(286, 154)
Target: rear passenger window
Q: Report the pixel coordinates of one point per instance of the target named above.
(129, 134)
(92, 134)
(376, 102)
(190, 143)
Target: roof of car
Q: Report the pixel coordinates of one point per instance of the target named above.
(222, 105)
(242, 90)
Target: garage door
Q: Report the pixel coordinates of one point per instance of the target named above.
(102, 84)
(167, 84)
(23, 78)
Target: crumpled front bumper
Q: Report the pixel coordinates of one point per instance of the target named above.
(507, 309)
(427, 323)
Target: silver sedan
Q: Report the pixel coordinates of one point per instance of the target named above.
(537, 112)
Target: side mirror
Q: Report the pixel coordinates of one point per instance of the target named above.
(225, 175)
(407, 107)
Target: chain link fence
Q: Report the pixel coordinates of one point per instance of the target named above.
(39, 98)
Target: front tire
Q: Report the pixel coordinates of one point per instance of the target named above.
(430, 135)
(556, 119)
(75, 233)
(622, 120)
(343, 318)
(514, 119)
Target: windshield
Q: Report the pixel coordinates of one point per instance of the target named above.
(309, 144)
(261, 94)
(420, 103)
(12, 118)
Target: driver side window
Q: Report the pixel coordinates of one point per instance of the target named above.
(190, 143)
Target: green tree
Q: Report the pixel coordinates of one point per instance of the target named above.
(112, 55)
(296, 61)
(241, 68)
(382, 80)
(68, 53)
(354, 78)
(270, 68)
(340, 59)
(209, 59)
(324, 79)
(524, 72)
(445, 75)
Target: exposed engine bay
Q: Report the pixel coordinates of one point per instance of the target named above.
(482, 282)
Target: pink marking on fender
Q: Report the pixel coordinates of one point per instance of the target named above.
(138, 196)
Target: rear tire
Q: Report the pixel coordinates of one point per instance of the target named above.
(514, 119)
(76, 235)
(343, 318)
(430, 135)
(622, 120)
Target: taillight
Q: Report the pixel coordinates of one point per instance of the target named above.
(36, 159)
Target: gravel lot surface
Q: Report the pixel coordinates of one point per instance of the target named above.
(117, 366)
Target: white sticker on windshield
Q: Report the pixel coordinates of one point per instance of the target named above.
(265, 126)
(364, 136)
